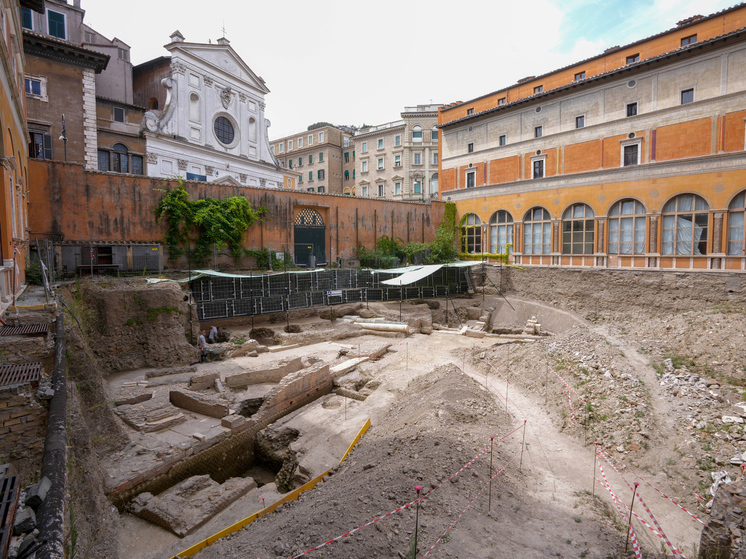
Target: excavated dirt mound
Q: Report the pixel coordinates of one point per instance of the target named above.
(138, 325)
(439, 423)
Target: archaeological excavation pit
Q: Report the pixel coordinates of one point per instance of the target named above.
(203, 445)
(215, 432)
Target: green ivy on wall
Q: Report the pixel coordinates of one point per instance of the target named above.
(204, 224)
(443, 247)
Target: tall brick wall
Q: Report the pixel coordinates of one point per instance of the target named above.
(69, 203)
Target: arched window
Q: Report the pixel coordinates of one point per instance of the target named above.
(347, 175)
(685, 225)
(736, 225)
(471, 234)
(194, 109)
(434, 134)
(417, 133)
(309, 217)
(577, 230)
(627, 228)
(537, 231)
(120, 158)
(501, 232)
(434, 184)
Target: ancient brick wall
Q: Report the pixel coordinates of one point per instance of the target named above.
(23, 421)
(230, 454)
(71, 204)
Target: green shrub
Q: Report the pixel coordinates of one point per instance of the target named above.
(33, 274)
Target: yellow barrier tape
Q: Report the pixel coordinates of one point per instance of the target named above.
(292, 496)
(357, 439)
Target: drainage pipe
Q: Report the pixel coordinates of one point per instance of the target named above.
(50, 516)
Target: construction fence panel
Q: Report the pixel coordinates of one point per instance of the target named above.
(219, 297)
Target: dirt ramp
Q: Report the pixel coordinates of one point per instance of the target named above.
(139, 325)
(514, 313)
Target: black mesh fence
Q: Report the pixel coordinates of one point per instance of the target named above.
(223, 297)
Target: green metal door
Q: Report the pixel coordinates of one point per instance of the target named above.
(310, 237)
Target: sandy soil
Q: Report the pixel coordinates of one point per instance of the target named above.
(440, 400)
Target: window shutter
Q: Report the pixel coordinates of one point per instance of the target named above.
(47, 146)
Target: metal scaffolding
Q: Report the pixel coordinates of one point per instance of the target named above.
(227, 296)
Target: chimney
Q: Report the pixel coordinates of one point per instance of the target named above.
(689, 20)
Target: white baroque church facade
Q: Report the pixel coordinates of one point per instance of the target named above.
(210, 125)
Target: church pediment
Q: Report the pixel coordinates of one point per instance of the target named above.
(226, 180)
(221, 57)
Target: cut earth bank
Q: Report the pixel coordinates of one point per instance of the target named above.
(429, 420)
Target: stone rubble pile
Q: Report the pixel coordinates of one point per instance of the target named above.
(723, 534)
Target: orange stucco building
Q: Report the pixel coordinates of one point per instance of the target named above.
(14, 151)
(633, 158)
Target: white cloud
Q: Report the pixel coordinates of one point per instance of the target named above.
(350, 63)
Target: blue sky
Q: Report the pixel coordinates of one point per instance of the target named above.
(350, 63)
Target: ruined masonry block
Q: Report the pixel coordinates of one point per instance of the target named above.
(203, 380)
(190, 503)
(134, 399)
(23, 412)
(474, 334)
(258, 376)
(25, 521)
(199, 403)
(38, 493)
(296, 387)
(233, 421)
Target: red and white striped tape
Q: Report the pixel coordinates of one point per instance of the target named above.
(616, 502)
(514, 374)
(625, 467)
(635, 545)
(469, 506)
(566, 384)
(675, 552)
(619, 504)
(701, 501)
(403, 507)
(657, 530)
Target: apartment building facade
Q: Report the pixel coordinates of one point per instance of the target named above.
(399, 160)
(634, 158)
(379, 164)
(320, 156)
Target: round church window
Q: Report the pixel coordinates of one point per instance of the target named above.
(224, 130)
